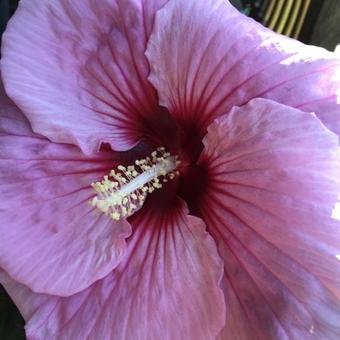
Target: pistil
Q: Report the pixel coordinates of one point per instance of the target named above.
(123, 192)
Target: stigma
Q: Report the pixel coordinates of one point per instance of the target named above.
(124, 190)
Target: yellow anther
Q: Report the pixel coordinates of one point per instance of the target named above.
(122, 192)
(115, 215)
(157, 185)
(102, 205)
(94, 201)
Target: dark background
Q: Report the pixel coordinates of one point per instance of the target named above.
(321, 27)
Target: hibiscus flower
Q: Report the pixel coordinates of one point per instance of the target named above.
(162, 175)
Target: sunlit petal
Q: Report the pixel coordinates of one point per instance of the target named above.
(217, 58)
(273, 184)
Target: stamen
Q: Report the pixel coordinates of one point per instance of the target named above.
(123, 192)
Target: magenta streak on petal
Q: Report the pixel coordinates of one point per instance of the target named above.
(171, 267)
(150, 92)
(203, 79)
(281, 332)
(213, 74)
(89, 63)
(224, 207)
(51, 239)
(272, 186)
(219, 235)
(212, 111)
(87, 60)
(316, 101)
(228, 235)
(213, 71)
(126, 78)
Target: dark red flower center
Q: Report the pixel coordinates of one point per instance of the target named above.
(184, 139)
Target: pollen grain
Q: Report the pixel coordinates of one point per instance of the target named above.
(123, 191)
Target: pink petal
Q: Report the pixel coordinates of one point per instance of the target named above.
(166, 288)
(78, 71)
(51, 239)
(217, 58)
(273, 185)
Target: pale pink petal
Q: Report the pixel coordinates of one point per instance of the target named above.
(51, 239)
(273, 175)
(217, 58)
(78, 71)
(165, 288)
